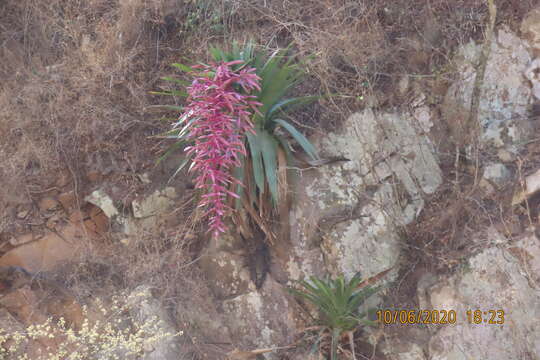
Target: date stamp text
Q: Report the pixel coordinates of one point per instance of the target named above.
(441, 317)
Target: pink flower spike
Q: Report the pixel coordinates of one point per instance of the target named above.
(217, 118)
(235, 62)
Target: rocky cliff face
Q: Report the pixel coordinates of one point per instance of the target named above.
(345, 216)
(348, 217)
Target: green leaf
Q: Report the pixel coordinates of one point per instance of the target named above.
(173, 133)
(337, 300)
(278, 77)
(269, 151)
(324, 289)
(182, 67)
(308, 286)
(310, 297)
(301, 139)
(169, 151)
(256, 158)
(182, 119)
(335, 338)
(177, 81)
(168, 107)
(179, 93)
(360, 296)
(276, 81)
(185, 130)
(246, 53)
(238, 173)
(182, 165)
(217, 54)
(168, 119)
(290, 104)
(285, 146)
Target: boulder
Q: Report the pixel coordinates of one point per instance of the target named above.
(103, 201)
(344, 216)
(506, 94)
(497, 173)
(501, 282)
(154, 204)
(47, 252)
(144, 307)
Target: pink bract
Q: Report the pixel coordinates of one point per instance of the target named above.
(217, 117)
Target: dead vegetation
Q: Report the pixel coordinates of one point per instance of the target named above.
(74, 98)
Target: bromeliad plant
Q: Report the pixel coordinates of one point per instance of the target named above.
(279, 74)
(338, 303)
(235, 109)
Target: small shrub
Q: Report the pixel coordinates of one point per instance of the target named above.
(110, 335)
(338, 303)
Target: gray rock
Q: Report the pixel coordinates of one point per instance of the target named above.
(149, 213)
(263, 318)
(404, 350)
(344, 216)
(102, 201)
(496, 279)
(144, 307)
(155, 204)
(505, 155)
(506, 94)
(225, 267)
(497, 174)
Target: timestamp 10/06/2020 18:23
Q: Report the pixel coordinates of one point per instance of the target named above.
(440, 317)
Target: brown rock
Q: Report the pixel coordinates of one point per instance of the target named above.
(33, 298)
(94, 211)
(11, 325)
(67, 199)
(46, 253)
(91, 227)
(22, 239)
(48, 203)
(101, 221)
(98, 222)
(76, 216)
(23, 303)
(247, 355)
(94, 176)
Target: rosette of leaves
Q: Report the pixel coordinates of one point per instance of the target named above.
(279, 74)
(338, 302)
